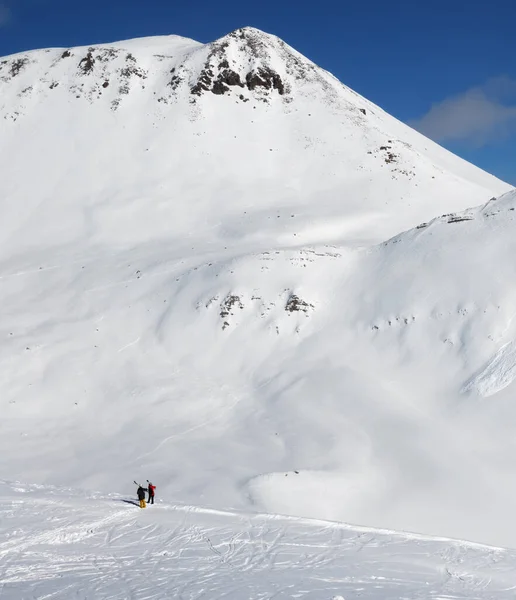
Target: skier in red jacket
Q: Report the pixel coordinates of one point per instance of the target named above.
(152, 489)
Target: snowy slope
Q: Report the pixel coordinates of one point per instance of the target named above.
(196, 287)
(361, 370)
(73, 545)
(117, 145)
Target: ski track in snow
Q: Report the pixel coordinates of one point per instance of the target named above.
(133, 343)
(59, 544)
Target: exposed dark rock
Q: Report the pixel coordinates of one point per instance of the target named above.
(391, 157)
(459, 219)
(218, 85)
(219, 88)
(229, 77)
(224, 80)
(204, 82)
(265, 77)
(66, 54)
(17, 65)
(130, 71)
(87, 63)
(175, 81)
(363, 111)
(228, 304)
(107, 54)
(295, 304)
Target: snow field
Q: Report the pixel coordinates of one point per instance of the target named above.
(61, 543)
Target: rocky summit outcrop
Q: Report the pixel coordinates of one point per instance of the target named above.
(246, 63)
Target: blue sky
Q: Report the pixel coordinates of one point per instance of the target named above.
(446, 67)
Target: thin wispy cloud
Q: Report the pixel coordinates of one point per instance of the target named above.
(5, 14)
(477, 117)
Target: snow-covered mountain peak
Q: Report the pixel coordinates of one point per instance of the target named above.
(202, 135)
(248, 62)
(196, 287)
(246, 59)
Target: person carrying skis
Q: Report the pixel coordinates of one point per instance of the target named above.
(141, 495)
(152, 490)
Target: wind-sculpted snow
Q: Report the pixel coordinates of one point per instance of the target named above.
(63, 544)
(497, 375)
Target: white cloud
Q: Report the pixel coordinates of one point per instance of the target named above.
(478, 116)
(5, 14)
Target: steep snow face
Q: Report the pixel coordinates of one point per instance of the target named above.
(196, 287)
(150, 140)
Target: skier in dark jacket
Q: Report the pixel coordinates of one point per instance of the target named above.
(152, 491)
(141, 495)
